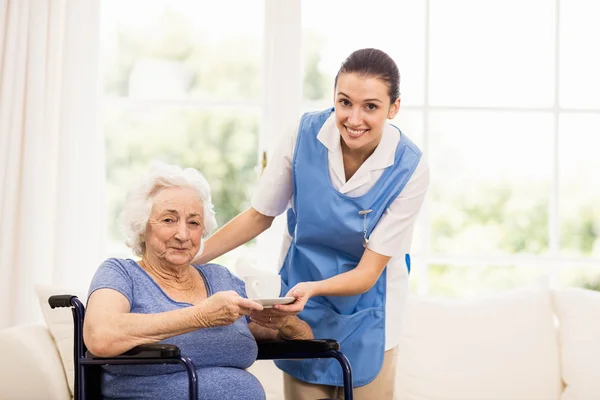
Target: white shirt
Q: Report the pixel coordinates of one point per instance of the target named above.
(392, 236)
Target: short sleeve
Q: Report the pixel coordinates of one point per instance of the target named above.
(274, 190)
(113, 274)
(392, 236)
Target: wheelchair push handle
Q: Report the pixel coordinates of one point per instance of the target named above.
(61, 300)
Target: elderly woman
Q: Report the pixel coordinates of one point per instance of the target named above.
(202, 309)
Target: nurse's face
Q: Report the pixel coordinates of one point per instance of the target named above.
(362, 105)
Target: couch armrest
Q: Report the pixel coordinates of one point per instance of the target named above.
(30, 366)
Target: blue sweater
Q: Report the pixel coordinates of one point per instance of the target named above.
(221, 354)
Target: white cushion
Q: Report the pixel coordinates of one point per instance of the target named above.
(502, 347)
(60, 325)
(30, 366)
(578, 313)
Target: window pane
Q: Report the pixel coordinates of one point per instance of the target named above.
(462, 281)
(579, 198)
(176, 49)
(410, 123)
(332, 30)
(584, 277)
(487, 53)
(579, 57)
(222, 145)
(491, 177)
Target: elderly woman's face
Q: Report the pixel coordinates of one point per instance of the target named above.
(175, 226)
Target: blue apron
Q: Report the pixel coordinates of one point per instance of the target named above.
(327, 234)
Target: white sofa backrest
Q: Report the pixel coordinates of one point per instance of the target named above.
(578, 312)
(501, 347)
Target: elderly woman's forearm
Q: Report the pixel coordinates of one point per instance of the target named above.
(119, 333)
(243, 228)
(296, 330)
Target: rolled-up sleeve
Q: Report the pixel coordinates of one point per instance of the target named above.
(393, 234)
(274, 190)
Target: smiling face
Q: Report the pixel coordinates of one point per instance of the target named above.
(175, 226)
(362, 104)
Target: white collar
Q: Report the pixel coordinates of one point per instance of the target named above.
(384, 153)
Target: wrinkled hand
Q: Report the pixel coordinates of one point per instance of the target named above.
(224, 308)
(271, 318)
(302, 292)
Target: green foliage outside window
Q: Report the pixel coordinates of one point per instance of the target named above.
(583, 232)
(490, 219)
(225, 69)
(317, 84)
(223, 145)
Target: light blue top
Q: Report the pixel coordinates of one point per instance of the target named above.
(327, 240)
(221, 354)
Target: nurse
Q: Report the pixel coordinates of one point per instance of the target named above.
(355, 184)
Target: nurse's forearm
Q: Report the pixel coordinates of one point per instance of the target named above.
(347, 284)
(243, 228)
(357, 281)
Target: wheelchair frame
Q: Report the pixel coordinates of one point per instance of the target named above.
(88, 372)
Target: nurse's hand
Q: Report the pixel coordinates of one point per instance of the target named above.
(302, 292)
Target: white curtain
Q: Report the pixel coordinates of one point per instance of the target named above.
(51, 151)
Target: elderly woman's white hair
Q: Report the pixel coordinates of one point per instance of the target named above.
(138, 205)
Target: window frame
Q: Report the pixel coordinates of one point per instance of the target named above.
(282, 102)
(554, 261)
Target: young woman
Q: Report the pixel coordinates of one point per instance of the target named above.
(356, 184)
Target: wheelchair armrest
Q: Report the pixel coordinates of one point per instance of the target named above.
(154, 350)
(281, 349)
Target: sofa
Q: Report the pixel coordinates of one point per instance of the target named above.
(527, 344)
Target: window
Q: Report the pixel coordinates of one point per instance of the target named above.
(502, 99)
(183, 86)
(500, 95)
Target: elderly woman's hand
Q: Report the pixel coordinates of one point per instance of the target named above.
(288, 326)
(271, 318)
(224, 308)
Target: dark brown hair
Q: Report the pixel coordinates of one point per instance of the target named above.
(373, 63)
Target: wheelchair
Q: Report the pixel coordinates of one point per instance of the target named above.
(88, 371)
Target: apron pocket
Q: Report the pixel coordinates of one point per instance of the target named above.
(361, 337)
